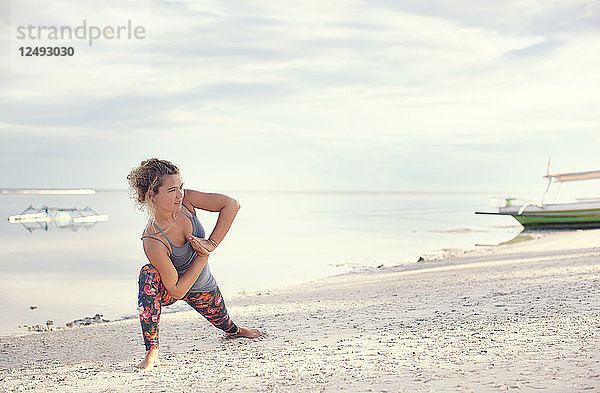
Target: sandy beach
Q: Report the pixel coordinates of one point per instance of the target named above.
(518, 317)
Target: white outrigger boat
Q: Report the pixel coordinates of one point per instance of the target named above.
(46, 217)
(583, 213)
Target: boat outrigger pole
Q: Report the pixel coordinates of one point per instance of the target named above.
(574, 176)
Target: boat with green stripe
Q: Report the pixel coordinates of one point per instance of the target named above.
(581, 214)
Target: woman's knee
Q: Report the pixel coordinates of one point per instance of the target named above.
(149, 277)
(148, 268)
(148, 273)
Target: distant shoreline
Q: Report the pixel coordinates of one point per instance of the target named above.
(80, 191)
(43, 191)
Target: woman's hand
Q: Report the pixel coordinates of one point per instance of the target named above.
(201, 246)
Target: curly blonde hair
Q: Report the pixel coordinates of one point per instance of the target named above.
(148, 176)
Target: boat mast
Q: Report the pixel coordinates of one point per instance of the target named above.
(549, 182)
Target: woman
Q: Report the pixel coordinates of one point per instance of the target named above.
(174, 243)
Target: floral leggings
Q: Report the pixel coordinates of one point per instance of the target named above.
(153, 295)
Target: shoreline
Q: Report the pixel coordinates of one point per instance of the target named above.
(66, 299)
(436, 257)
(431, 257)
(517, 317)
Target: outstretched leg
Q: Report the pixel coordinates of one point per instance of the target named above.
(212, 306)
(151, 297)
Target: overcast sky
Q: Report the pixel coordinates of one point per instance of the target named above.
(311, 95)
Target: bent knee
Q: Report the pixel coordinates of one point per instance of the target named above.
(148, 273)
(148, 268)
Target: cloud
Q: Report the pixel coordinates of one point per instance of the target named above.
(536, 50)
(536, 17)
(321, 94)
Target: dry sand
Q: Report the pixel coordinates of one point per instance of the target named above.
(523, 317)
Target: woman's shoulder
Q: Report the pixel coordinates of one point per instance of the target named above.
(149, 238)
(149, 230)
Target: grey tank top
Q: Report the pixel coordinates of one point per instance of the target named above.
(183, 256)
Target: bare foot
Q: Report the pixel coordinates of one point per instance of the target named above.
(248, 333)
(150, 360)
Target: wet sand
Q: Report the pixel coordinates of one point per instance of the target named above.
(519, 317)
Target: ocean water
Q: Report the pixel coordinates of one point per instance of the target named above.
(277, 239)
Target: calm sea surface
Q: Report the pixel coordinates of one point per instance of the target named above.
(277, 239)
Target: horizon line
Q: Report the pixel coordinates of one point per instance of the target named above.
(311, 191)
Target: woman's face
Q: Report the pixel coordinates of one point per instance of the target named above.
(170, 193)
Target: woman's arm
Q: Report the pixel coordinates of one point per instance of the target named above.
(226, 206)
(176, 286)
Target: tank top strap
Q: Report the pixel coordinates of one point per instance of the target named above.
(161, 231)
(191, 219)
(188, 209)
(155, 238)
